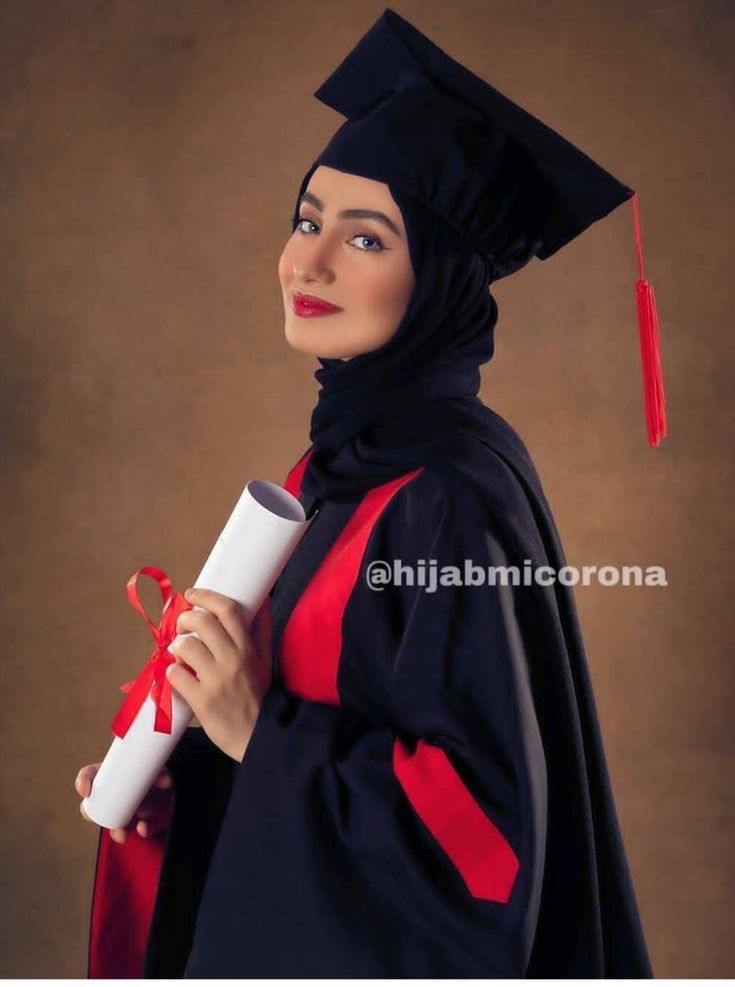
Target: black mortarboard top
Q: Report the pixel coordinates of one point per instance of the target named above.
(423, 123)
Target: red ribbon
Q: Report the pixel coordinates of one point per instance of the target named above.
(152, 677)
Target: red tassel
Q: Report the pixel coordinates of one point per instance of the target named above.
(648, 332)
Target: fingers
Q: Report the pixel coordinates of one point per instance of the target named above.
(152, 824)
(83, 785)
(143, 827)
(195, 650)
(228, 630)
(146, 822)
(154, 811)
(83, 782)
(186, 684)
(153, 815)
(164, 780)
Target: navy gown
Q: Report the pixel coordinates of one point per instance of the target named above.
(425, 791)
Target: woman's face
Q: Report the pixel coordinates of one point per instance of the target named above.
(358, 262)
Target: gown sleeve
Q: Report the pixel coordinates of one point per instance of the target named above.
(400, 833)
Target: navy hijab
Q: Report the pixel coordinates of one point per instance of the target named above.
(380, 414)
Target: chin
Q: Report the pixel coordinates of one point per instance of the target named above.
(305, 340)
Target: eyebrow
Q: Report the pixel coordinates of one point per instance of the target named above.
(353, 213)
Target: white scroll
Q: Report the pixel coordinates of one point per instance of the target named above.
(262, 532)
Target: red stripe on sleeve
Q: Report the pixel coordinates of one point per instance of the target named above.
(441, 799)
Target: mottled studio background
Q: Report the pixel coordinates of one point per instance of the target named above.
(150, 155)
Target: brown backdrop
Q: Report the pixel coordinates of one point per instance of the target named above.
(151, 152)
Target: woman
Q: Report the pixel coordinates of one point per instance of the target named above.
(420, 788)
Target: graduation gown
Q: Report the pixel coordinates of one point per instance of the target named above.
(424, 793)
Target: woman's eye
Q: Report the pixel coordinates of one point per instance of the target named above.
(357, 236)
(297, 227)
(367, 236)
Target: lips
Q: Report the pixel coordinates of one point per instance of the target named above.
(311, 305)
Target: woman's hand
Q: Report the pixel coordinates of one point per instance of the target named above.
(153, 813)
(232, 669)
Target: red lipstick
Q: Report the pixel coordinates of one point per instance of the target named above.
(308, 306)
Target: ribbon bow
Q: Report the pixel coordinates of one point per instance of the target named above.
(152, 677)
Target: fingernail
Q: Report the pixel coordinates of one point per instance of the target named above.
(189, 593)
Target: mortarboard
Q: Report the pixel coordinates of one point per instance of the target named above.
(510, 185)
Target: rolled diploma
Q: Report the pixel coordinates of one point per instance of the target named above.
(260, 536)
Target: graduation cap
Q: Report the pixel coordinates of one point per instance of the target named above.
(424, 124)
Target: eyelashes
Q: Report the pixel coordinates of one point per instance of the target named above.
(296, 221)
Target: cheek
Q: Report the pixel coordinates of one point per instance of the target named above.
(389, 295)
(378, 293)
(285, 264)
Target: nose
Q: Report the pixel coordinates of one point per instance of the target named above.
(313, 261)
